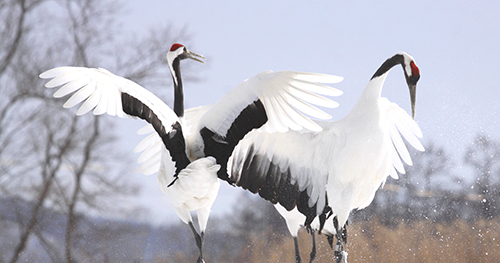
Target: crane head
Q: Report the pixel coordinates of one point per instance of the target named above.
(179, 51)
(412, 74)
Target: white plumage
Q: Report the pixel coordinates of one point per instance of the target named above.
(282, 93)
(349, 160)
(199, 149)
(197, 188)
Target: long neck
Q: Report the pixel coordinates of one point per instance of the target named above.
(368, 101)
(388, 64)
(374, 88)
(178, 92)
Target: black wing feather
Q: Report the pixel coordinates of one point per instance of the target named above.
(173, 139)
(221, 146)
(273, 183)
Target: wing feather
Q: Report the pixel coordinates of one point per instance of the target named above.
(64, 78)
(279, 160)
(102, 106)
(273, 119)
(70, 87)
(301, 104)
(79, 96)
(311, 97)
(287, 113)
(107, 93)
(150, 152)
(316, 88)
(267, 87)
(152, 165)
(409, 133)
(396, 161)
(150, 141)
(393, 173)
(92, 101)
(400, 145)
(400, 125)
(102, 90)
(317, 77)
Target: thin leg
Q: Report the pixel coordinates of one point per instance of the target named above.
(199, 242)
(340, 255)
(312, 256)
(200, 259)
(344, 233)
(330, 240)
(297, 254)
(339, 251)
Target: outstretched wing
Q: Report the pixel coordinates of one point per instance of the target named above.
(278, 99)
(104, 92)
(400, 123)
(285, 96)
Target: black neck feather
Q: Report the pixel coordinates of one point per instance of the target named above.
(178, 91)
(388, 64)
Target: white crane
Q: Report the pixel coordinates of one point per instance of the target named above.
(275, 98)
(342, 166)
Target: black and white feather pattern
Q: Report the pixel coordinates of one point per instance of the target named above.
(104, 92)
(278, 99)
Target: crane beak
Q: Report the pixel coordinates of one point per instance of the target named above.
(194, 56)
(413, 95)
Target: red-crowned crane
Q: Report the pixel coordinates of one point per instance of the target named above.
(275, 98)
(342, 166)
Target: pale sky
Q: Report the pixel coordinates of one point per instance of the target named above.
(455, 44)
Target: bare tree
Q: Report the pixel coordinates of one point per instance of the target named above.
(12, 29)
(435, 189)
(419, 193)
(53, 155)
(484, 157)
(47, 154)
(427, 164)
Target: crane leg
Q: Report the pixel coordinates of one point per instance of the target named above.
(339, 251)
(340, 254)
(329, 238)
(344, 232)
(297, 254)
(199, 242)
(312, 256)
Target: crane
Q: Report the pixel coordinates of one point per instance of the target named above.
(341, 166)
(191, 163)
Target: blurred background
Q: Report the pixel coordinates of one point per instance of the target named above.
(70, 190)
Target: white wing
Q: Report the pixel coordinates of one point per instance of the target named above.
(105, 92)
(401, 124)
(102, 91)
(151, 148)
(285, 95)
